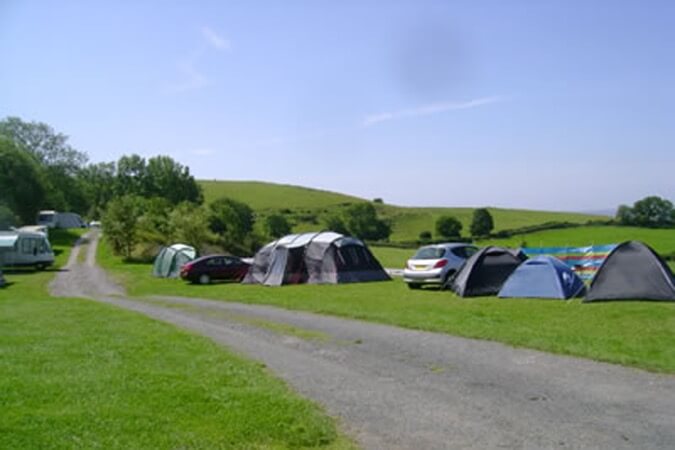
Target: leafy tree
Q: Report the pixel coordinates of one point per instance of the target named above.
(131, 177)
(120, 223)
(362, 221)
(335, 222)
(425, 236)
(448, 227)
(625, 216)
(189, 224)
(59, 162)
(231, 220)
(169, 179)
(47, 146)
(153, 225)
(276, 225)
(98, 185)
(652, 212)
(159, 176)
(481, 224)
(22, 187)
(378, 200)
(7, 218)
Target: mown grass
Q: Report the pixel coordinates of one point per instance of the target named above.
(407, 222)
(640, 334)
(78, 374)
(392, 258)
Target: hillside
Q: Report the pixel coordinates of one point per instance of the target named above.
(304, 206)
(269, 196)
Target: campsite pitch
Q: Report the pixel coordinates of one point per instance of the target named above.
(631, 333)
(398, 388)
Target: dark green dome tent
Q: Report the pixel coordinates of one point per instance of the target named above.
(632, 271)
(170, 259)
(314, 258)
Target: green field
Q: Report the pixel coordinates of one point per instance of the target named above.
(662, 240)
(307, 206)
(78, 374)
(640, 334)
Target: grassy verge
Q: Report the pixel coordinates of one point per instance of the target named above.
(640, 334)
(78, 374)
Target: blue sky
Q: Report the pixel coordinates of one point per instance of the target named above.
(559, 105)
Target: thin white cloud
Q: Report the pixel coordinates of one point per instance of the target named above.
(191, 79)
(428, 110)
(215, 40)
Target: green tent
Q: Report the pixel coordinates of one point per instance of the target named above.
(170, 259)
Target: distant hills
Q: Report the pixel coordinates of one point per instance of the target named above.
(305, 207)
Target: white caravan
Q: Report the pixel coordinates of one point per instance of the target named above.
(25, 248)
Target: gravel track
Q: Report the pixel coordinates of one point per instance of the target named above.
(395, 388)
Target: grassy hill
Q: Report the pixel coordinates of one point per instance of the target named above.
(305, 206)
(271, 196)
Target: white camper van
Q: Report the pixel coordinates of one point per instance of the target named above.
(54, 219)
(25, 248)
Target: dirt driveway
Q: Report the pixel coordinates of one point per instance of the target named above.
(396, 388)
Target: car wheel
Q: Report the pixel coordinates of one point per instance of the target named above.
(40, 267)
(204, 279)
(414, 285)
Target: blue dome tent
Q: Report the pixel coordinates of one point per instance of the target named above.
(543, 277)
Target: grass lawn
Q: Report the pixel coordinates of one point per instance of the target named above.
(392, 258)
(78, 374)
(640, 334)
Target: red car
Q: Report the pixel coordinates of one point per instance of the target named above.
(214, 267)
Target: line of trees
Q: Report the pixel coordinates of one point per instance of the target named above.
(650, 212)
(39, 169)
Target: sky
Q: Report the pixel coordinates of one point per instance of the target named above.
(557, 105)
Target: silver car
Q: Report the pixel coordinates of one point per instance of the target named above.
(434, 264)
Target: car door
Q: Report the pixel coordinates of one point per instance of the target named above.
(229, 268)
(214, 268)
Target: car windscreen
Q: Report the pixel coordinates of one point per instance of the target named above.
(429, 253)
(45, 217)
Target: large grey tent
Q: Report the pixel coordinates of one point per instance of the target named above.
(314, 258)
(485, 271)
(170, 259)
(632, 271)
